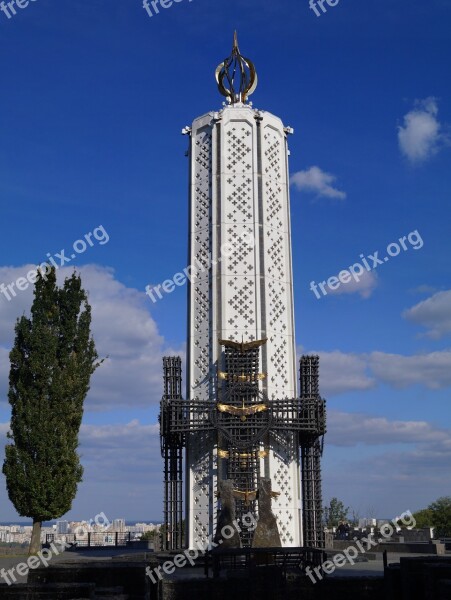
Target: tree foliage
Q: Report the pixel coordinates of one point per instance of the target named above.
(423, 518)
(52, 361)
(441, 516)
(437, 515)
(335, 512)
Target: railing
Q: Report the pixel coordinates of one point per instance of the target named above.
(92, 539)
(286, 559)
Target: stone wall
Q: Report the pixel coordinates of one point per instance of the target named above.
(270, 587)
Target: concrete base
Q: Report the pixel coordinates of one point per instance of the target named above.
(124, 578)
(412, 548)
(395, 547)
(57, 591)
(418, 578)
(444, 590)
(128, 575)
(267, 587)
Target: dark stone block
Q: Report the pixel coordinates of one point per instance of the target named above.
(413, 574)
(264, 585)
(109, 593)
(57, 591)
(433, 574)
(129, 575)
(392, 577)
(444, 590)
(350, 588)
(418, 548)
(258, 587)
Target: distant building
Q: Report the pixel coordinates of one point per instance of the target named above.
(62, 527)
(143, 527)
(119, 525)
(363, 523)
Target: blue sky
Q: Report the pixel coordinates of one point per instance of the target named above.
(94, 97)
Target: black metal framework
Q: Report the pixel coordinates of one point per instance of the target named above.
(242, 469)
(252, 559)
(242, 461)
(311, 453)
(172, 444)
(244, 420)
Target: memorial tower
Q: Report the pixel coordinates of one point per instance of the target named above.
(242, 419)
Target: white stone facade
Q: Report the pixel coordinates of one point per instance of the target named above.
(240, 219)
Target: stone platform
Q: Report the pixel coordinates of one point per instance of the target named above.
(123, 577)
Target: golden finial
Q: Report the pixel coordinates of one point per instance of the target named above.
(236, 76)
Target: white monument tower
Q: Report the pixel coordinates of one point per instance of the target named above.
(241, 291)
(246, 436)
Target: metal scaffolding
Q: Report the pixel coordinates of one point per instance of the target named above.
(311, 453)
(244, 419)
(172, 444)
(240, 390)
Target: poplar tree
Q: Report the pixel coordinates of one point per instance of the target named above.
(52, 361)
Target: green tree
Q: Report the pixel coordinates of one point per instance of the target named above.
(335, 512)
(423, 518)
(441, 516)
(52, 361)
(149, 535)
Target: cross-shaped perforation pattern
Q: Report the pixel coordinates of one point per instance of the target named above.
(202, 190)
(273, 150)
(240, 296)
(239, 199)
(238, 155)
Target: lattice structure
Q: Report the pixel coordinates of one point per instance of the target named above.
(172, 445)
(311, 452)
(242, 459)
(244, 421)
(312, 495)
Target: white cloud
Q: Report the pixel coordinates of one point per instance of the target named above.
(123, 330)
(431, 370)
(349, 429)
(365, 286)
(424, 289)
(421, 135)
(341, 372)
(433, 313)
(120, 451)
(390, 481)
(123, 470)
(317, 181)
